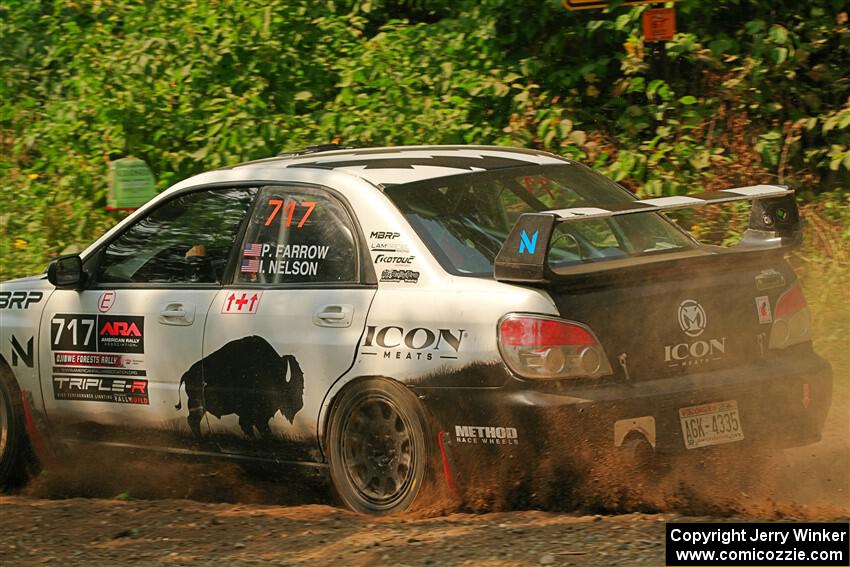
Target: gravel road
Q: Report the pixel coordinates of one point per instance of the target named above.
(183, 532)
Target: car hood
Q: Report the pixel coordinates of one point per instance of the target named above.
(27, 280)
(35, 283)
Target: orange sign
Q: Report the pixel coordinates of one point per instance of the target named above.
(659, 24)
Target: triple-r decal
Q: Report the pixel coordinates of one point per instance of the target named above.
(101, 389)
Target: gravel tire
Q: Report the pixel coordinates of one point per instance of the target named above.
(378, 447)
(15, 454)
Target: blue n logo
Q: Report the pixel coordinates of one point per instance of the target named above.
(528, 244)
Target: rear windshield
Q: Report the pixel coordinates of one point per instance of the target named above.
(465, 219)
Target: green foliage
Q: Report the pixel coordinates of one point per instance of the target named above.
(746, 92)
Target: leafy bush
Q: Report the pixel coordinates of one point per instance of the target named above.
(746, 92)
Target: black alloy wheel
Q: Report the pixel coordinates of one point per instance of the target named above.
(377, 447)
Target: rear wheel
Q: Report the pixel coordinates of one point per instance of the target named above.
(14, 447)
(378, 450)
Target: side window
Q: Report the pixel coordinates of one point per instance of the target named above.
(188, 239)
(298, 235)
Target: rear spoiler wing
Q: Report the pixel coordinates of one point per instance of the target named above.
(774, 224)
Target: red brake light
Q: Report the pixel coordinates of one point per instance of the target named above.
(791, 301)
(527, 331)
(547, 348)
(792, 323)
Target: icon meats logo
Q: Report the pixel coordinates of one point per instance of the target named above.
(121, 334)
(414, 344)
(693, 322)
(114, 390)
(692, 318)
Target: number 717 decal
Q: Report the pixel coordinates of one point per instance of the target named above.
(289, 209)
(80, 333)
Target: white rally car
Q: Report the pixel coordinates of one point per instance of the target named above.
(373, 312)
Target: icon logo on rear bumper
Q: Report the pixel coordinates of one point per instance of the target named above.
(693, 321)
(692, 318)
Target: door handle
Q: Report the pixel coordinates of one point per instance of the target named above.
(331, 316)
(334, 316)
(177, 313)
(172, 313)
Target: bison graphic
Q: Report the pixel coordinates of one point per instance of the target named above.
(245, 377)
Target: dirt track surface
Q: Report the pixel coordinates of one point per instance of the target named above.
(182, 532)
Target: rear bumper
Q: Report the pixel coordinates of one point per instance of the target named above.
(781, 403)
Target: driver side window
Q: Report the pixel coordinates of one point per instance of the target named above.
(188, 239)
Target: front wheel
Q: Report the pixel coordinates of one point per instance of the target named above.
(14, 445)
(377, 445)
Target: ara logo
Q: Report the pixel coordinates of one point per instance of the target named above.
(120, 329)
(121, 333)
(528, 244)
(420, 343)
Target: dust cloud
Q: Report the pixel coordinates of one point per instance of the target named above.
(810, 482)
(151, 476)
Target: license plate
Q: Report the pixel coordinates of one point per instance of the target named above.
(711, 424)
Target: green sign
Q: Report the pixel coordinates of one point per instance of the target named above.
(131, 184)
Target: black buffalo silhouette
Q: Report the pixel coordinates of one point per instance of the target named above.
(245, 377)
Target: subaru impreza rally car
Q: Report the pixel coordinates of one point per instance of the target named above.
(370, 312)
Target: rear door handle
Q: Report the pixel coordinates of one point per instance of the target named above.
(177, 313)
(334, 316)
(331, 316)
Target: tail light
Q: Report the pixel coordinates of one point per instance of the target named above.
(544, 348)
(792, 322)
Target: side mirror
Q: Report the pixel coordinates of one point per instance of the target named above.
(66, 272)
(774, 223)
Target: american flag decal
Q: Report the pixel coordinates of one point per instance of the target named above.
(250, 265)
(253, 250)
